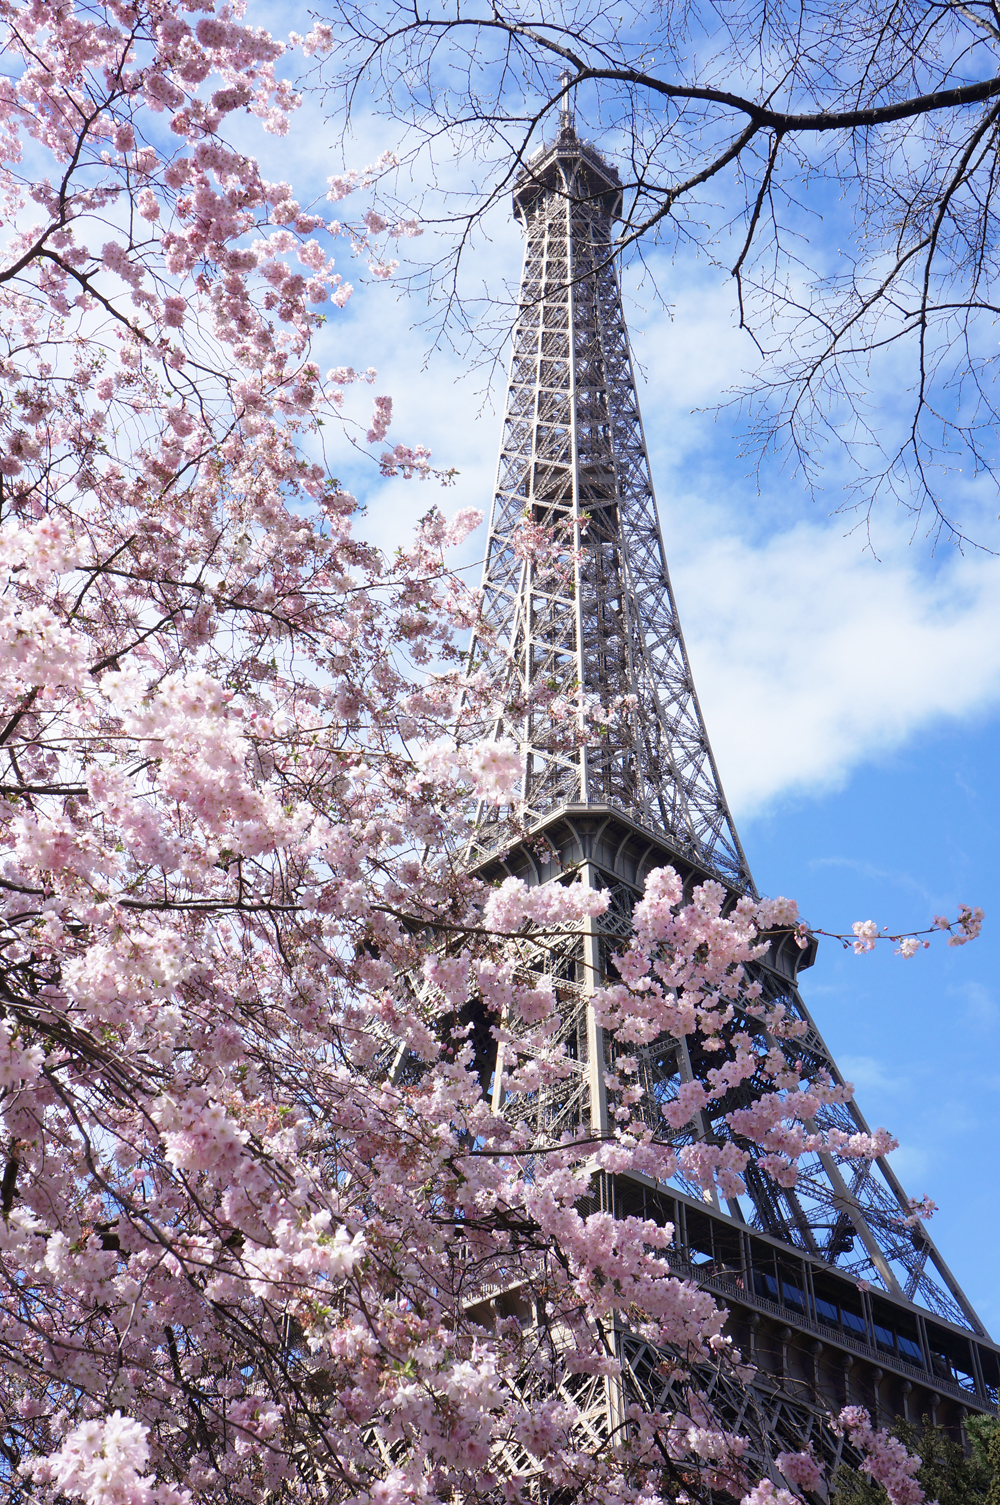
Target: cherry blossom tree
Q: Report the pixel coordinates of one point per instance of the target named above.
(240, 1256)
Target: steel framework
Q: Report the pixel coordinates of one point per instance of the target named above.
(831, 1292)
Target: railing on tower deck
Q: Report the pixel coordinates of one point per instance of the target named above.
(733, 1289)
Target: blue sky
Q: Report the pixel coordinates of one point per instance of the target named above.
(852, 695)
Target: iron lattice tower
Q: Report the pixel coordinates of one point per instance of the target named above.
(831, 1294)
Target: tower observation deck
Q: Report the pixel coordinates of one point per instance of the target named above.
(831, 1293)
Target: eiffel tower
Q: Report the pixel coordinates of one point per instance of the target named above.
(831, 1294)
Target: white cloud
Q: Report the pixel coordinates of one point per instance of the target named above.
(912, 1163)
(867, 1072)
(980, 1012)
(811, 657)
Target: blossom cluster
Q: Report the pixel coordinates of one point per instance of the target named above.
(885, 1460)
(965, 927)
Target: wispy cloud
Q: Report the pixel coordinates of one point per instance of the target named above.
(978, 1005)
(872, 874)
(868, 1073)
(811, 657)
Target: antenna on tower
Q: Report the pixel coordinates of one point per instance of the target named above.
(566, 120)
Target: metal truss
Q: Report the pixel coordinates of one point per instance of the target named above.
(573, 454)
(840, 1297)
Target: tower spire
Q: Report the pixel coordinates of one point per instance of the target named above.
(833, 1291)
(567, 122)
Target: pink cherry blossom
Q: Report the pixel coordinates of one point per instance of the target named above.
(766, 1493)
(381, 419)
(801, 1469)
(885, 1459)
(100, 1462)
(867, 934)
(496, 768)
